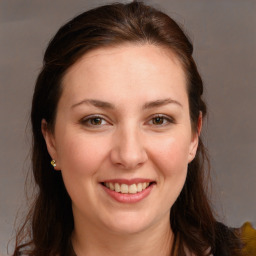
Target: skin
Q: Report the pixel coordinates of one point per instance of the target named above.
(126, 141)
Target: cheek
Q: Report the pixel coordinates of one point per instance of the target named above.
(81, 155)
(171, 155)
(171, 162)
(81, 158)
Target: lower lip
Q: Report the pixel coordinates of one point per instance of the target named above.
(129, 198)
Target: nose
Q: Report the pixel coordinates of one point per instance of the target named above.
(128, 150)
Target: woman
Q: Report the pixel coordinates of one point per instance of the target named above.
(117, 110)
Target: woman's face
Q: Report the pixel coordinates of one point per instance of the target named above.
(123, 137)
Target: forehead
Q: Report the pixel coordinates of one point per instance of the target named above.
(133, 50)
(132, 56)
(124, 70)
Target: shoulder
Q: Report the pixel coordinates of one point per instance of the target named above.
(229, 240)
(248, 237)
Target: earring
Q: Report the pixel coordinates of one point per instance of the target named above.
(53, 163)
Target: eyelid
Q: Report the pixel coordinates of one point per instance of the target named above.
(85, 120)
(169, 119)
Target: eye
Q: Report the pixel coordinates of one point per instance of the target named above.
(161, 120)
(92, 121)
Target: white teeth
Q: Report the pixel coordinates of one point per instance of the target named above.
(132, 189)
(139, 187)
(127, 189)
(124, 189)
(117, 187)
(111, 186)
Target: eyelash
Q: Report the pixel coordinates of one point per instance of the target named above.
(86, 121)
(165, 120)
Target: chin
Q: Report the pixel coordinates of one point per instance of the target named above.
(127, 229)
(129, 223)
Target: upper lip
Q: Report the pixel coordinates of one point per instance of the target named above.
(128, 181)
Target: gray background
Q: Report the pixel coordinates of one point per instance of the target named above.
(224, 36)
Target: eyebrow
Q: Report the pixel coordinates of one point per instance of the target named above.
(159, 103)
(107, 105)
(96, 103)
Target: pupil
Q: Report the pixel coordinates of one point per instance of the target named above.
(96, 121)
(158, 120)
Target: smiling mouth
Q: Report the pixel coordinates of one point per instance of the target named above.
(127, 189)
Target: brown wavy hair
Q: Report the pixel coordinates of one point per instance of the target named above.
(49, 224)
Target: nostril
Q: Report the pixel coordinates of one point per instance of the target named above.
(128, 154)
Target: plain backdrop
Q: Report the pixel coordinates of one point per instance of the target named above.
(224, 37)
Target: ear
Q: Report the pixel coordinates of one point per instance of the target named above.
(195, 138)
(50, 142)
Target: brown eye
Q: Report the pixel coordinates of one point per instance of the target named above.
(159, 120)
(96, 121)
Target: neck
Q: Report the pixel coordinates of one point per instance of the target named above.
(88, 241)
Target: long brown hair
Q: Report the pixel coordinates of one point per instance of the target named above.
(49, 224)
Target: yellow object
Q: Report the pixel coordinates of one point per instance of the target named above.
(248, 234)
(53, 163)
